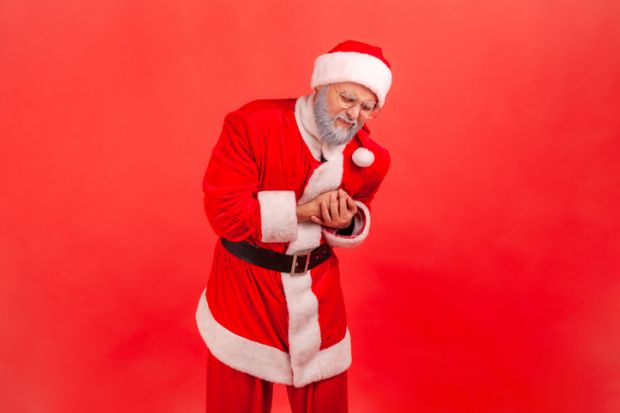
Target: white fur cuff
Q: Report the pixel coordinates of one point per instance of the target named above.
(278, 213)
(360, 230)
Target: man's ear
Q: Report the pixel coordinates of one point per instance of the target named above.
(316, 93)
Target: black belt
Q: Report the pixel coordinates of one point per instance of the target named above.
(293, 264)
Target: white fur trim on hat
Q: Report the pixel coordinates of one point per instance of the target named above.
(355, 67)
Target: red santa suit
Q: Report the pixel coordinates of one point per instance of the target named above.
(276, 326)
(281, 327)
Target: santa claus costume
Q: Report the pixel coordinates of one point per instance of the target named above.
(263, 326)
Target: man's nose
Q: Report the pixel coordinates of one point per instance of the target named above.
(354, 112)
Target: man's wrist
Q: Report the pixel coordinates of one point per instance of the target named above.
(348, 230)
(303, 213)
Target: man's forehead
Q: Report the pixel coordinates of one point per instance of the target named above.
(361, 91)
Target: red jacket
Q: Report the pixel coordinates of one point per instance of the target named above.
(280, 327)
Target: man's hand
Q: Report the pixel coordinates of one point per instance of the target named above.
(313, 208)
(336, 210)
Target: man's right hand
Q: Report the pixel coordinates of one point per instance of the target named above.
(329, 199)
(313, 208)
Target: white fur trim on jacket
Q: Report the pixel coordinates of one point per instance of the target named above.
(325, 177)
(307, 362)
(278, 214)
(360, 230)
(257, 359)
(326, 363)
(304, 332)
(308, 238)
(266, 362)
(355, 67)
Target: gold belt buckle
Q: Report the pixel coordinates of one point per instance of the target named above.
(295, 256)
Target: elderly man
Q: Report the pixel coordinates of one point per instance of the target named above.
(287, 181)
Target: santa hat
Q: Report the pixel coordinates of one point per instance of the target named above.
(357, 62)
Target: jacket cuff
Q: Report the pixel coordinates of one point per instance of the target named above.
(348, 230)
(361, 225)
(278, 215)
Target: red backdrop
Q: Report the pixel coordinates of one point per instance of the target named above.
(489, 282)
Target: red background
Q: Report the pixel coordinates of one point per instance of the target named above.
(489, 282)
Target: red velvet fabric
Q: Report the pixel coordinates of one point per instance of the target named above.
(232, 391)
(260, 148)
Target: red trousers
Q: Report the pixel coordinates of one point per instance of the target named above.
(232, 391)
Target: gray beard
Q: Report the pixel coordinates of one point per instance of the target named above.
(326, 124)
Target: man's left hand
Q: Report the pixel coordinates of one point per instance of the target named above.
(339, 213)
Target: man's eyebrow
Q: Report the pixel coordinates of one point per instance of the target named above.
(351, 94)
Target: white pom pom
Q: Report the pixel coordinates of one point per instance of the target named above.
(362, 157)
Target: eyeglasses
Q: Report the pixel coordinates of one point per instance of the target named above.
(347, 100)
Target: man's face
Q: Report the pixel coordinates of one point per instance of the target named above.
(341, 110)
(346, 93)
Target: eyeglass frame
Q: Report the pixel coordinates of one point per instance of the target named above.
(344, 105)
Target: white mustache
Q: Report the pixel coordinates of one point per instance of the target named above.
(345, 118)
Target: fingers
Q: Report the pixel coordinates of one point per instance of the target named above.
(317, 220)
(342, 203)
(335, 209)
(352, 205)
(325, 212)
(333, 206)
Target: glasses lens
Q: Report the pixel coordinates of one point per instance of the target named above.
(345, 100)
(372, 114)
